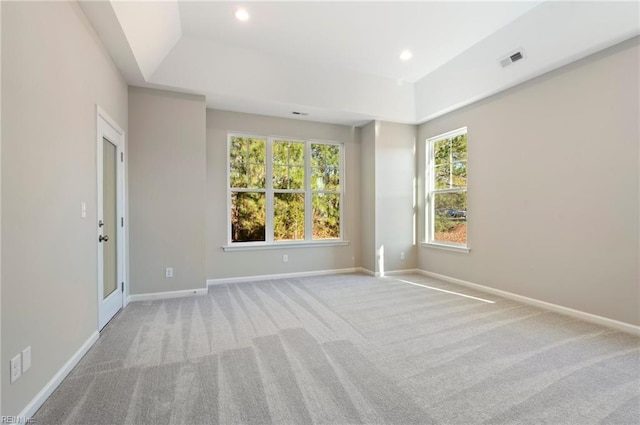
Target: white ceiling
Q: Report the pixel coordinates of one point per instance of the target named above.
(362, 36)
(339, 61)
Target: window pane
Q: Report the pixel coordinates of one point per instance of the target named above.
(256, 176)
(247, 150)
(459, 148)
(450, 219)
(257, 151)
(459, 174)
(442, 151)
(288, 160)
(296, 154)
(238, 176)
(237, 156)
(288, 216)
(296, 177)
(237, 149)
(288, 153)
(325, 178)
(325, 155)
(442, 176)
(247, 216)
(317, 179)
(326, 216)
(280, 153)
(288, 177)
(325, 167)
(280, 177)
(246, 162)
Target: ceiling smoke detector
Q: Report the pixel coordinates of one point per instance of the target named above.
(512, 58)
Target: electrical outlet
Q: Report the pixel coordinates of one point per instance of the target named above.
(285, 258)
(16, 368)
(26, 359)
(402, 255)
(168, 272)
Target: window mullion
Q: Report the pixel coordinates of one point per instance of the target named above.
(450, 162)
(269, 191)
(308, 204)
(432, 207)
(343, 188)
(430, 186)
(229, 235)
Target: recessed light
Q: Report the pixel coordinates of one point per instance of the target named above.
(406, 55)
(242, 15)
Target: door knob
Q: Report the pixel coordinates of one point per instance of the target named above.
(103, 238)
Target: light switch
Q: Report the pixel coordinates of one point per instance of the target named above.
(83, 209)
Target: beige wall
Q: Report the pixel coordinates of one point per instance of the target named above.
(388, 169)
(54, 72)
(554, 187)
(221, 264)
(167, 190)
(394, 195)
(368, 195)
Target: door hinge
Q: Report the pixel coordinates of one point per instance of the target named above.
(121, 221)
(121, 156)
(122, 286)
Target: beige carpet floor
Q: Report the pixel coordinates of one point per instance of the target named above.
(350, 349)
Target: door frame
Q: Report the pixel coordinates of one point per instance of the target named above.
(108, 129)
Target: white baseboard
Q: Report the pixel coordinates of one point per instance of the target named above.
(588, 317)
(280, 276)
(51, 386)
(369, 272)
(389, 273)
(165, 295)
(397, 272)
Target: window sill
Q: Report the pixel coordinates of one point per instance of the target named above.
(445, 247)
(283, 245)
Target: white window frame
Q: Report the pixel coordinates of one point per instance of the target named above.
(269, 242)
(430, 191)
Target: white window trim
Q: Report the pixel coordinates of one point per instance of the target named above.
(446, 247)
(429, 207)
(269, 192)
(254, 246)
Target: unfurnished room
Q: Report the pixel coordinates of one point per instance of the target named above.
(367, 212)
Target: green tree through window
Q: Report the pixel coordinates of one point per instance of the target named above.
(325, 184)
(284, 190)
(447, 188)
(247, 174)
(289, 190)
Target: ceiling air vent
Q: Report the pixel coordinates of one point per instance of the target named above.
(516, 56)
(512, 58)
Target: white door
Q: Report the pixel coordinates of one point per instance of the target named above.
(110, 219)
